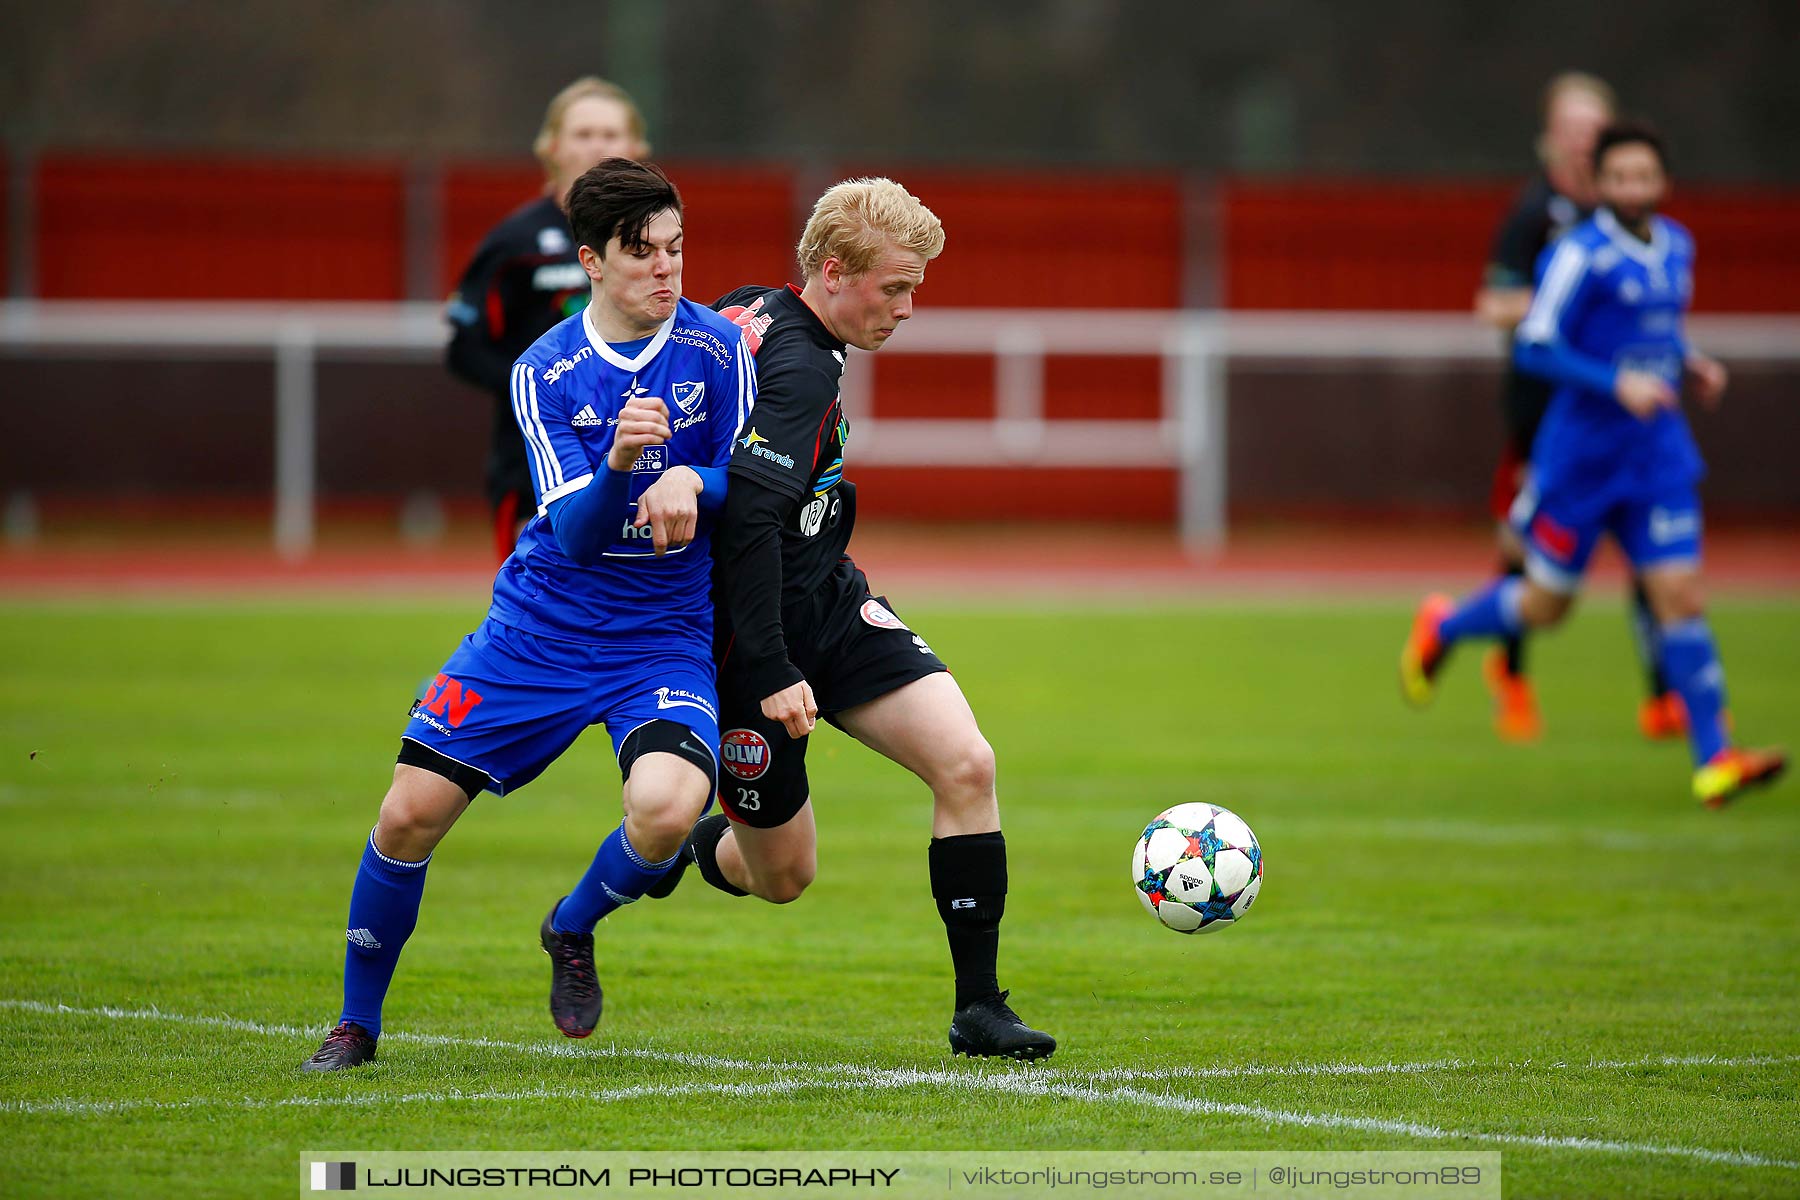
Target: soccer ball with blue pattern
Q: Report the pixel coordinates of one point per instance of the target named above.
(1197, 868)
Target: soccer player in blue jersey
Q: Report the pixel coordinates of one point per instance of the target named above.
(1614, 454)
(603, 614)
(526, 276)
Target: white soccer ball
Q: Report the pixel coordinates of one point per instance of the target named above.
(1197, 868)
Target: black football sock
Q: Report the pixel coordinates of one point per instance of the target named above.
(1646, 634)
(1514, 643)
(705, 842)
(968, 880)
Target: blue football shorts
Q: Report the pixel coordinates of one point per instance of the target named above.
(1561, 528)
(509, 703)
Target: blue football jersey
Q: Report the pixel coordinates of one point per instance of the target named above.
(1607, 301)
(567, 390)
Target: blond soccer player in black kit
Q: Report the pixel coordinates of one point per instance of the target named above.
(801, 636)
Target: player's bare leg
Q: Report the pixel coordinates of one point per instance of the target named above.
(1690, 663)
(928, 728)
(772, 864)
(663, 798)
(418, 810)
(664, 794)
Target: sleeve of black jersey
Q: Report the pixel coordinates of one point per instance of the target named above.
(771, 466)
(779, 445)
(748, 545)
(1516, 244)
(473, 354)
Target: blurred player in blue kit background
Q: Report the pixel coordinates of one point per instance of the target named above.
(1614, 454)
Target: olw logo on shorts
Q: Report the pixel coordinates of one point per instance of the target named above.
(450, 700)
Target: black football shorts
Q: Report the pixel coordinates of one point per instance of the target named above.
(852, 649)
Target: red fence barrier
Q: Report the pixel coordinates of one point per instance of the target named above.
(1317, 244)
(209, 229)
(1044, 240)
(134, 226)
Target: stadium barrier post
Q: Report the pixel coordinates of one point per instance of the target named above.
(1019, 389)
(1194, 375)
(295, 452)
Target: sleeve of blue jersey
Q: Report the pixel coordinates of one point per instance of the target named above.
(1541, 346)
(586, 521)
(559, 462)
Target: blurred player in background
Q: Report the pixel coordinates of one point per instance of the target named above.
(598, 615)
(800, 633)
(526, 276)
(1614, 455)
(1576, 106)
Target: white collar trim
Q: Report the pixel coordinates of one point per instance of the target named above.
(1651, 254)
(608, 354)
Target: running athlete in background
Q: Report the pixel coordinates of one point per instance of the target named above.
(800, 633)
(525, 277)
(1614, 454)
(601, 615)
(1576, 106)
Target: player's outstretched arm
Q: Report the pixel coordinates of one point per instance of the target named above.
(1558, 362)
(587, 520)
(1505, 295)
(1503, 307)
(748, 548)
(1709, 376)
(473, 354)
(671, 507)
(1541, 346)
(1642, 394)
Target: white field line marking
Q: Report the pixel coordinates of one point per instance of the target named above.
(1176, 1074)
(712, 1062)
(1275, 1116)
(562, 1049)
(862, 1079)
(568, 1049)
(840, 1077)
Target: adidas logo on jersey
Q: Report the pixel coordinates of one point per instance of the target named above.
(587, 417)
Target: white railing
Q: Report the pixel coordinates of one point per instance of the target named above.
(1188, 436)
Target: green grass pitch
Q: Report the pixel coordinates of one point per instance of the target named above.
(1546, 951)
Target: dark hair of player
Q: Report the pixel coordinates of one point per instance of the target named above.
(618, 197)
(1628, 133)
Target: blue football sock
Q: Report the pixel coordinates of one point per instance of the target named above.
(619, 875)
(384, 907)
(1492, 612)
(1690, 663)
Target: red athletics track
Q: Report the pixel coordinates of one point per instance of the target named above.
(1002, 564)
